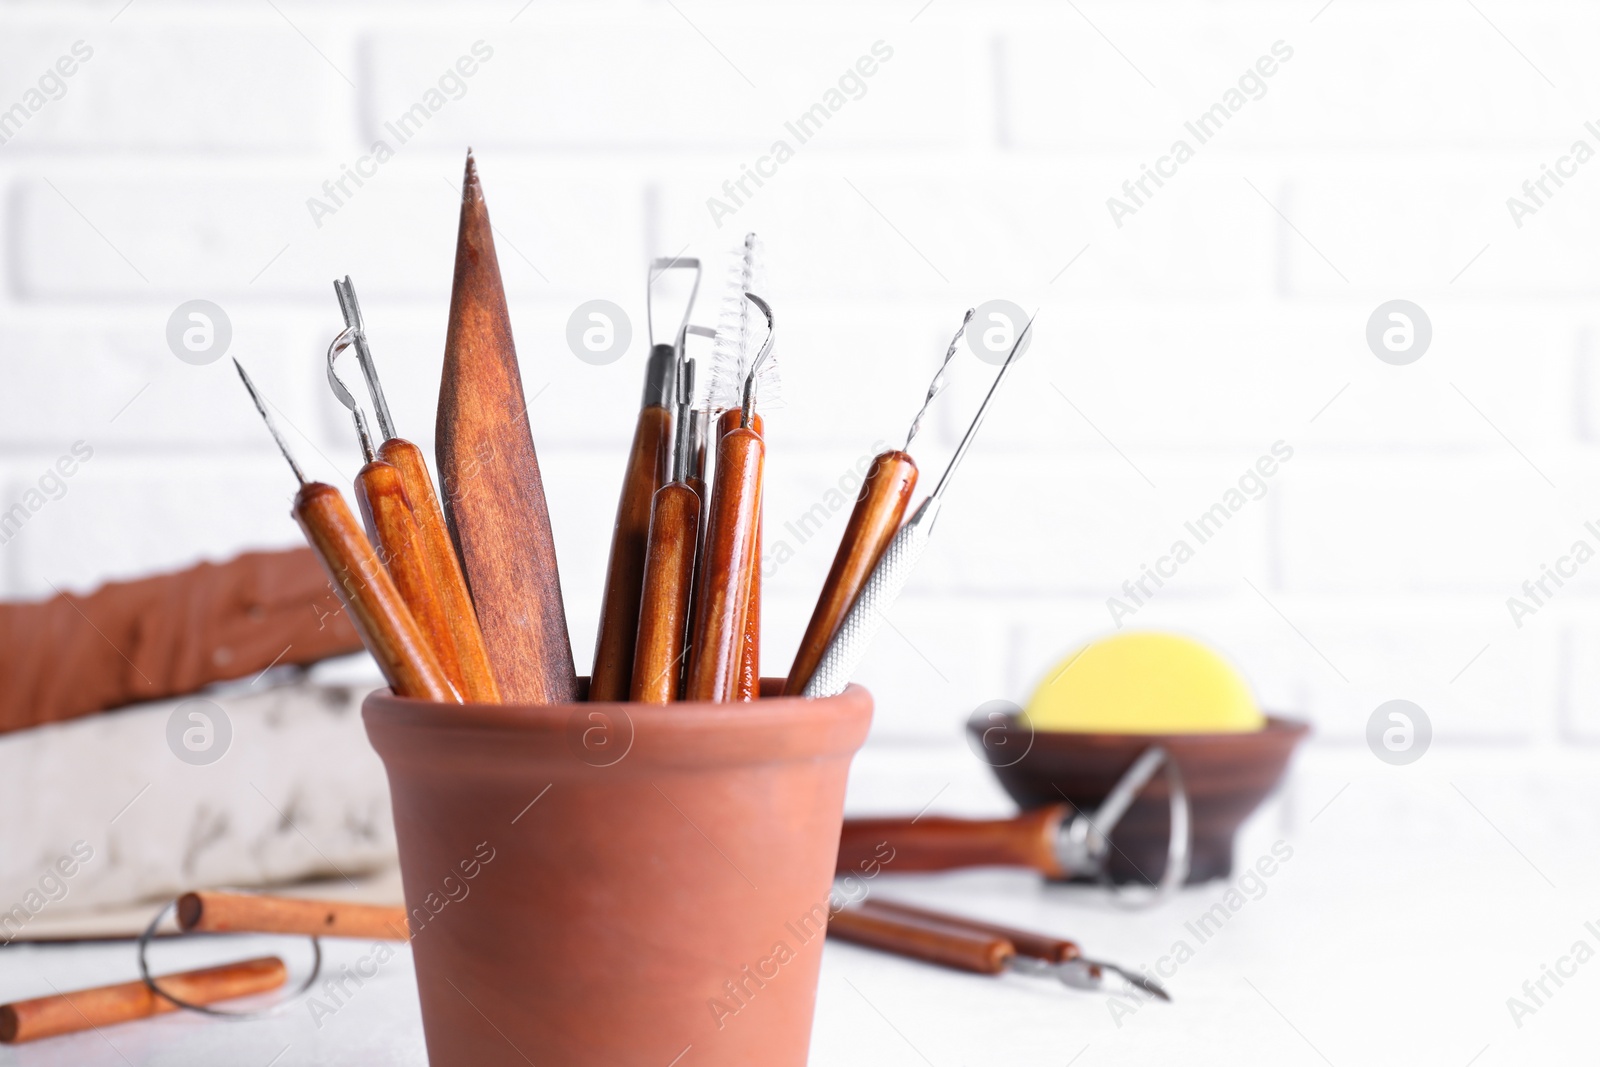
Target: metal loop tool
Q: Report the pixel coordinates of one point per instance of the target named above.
(1085, 844)
(204, 1009)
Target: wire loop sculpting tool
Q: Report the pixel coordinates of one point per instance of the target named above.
(396, 498)
(658, 662)
(1057, 840)
(649, 463)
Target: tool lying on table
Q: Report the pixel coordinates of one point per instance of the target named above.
(363, 585)
(220, 912)
(728, 560)
(403, 516)
(983, 948)
(893, 569)
(649, 460)
(1045, 839)
(880, 507)
(494, 495)
(90, 1009)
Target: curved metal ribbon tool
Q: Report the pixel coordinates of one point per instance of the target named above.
(354, 335)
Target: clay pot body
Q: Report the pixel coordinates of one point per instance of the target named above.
(616, 883)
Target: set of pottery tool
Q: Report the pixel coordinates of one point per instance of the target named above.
(461, 601)
(452, 586)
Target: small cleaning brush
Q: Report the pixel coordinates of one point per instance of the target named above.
(747, 274)
(740, 331)
(724, 659)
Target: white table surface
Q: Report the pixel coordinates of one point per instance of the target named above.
(1394, 935)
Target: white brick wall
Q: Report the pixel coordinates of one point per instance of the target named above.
(178, 162)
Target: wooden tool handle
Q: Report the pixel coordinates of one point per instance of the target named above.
(489, 474)
(880, 507)
(85, 1009)
(472, 655)
(380, 616)
(391, 526)
(904, 936)
(937, 843)
(1026, 942)
(664, 604)
(619, 606)
(748, 686)
(723, 592)
(251, 913)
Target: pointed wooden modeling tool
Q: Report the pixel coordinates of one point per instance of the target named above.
(494, 496)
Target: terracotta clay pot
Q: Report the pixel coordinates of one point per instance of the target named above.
(618, 883)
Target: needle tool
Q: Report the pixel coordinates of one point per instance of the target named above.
(360, 580)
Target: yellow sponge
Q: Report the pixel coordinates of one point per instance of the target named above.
(1144, 683)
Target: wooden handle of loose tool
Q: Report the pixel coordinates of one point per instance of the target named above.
(619, 605)
(251, 913)
(880, 508)
(477, 682)
(391, 526)
(723, 584)
(748, 686)
(1026, 942)
(369, 594)
(937, 843)
(664, 603)
(86, 1009)
(946, 946)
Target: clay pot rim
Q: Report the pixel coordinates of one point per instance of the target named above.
(775, 729)
(1277, 728)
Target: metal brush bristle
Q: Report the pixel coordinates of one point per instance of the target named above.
(741, 330)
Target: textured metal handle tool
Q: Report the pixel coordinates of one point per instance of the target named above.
(849, 646)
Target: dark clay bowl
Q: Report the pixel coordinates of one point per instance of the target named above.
(1227, 776)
